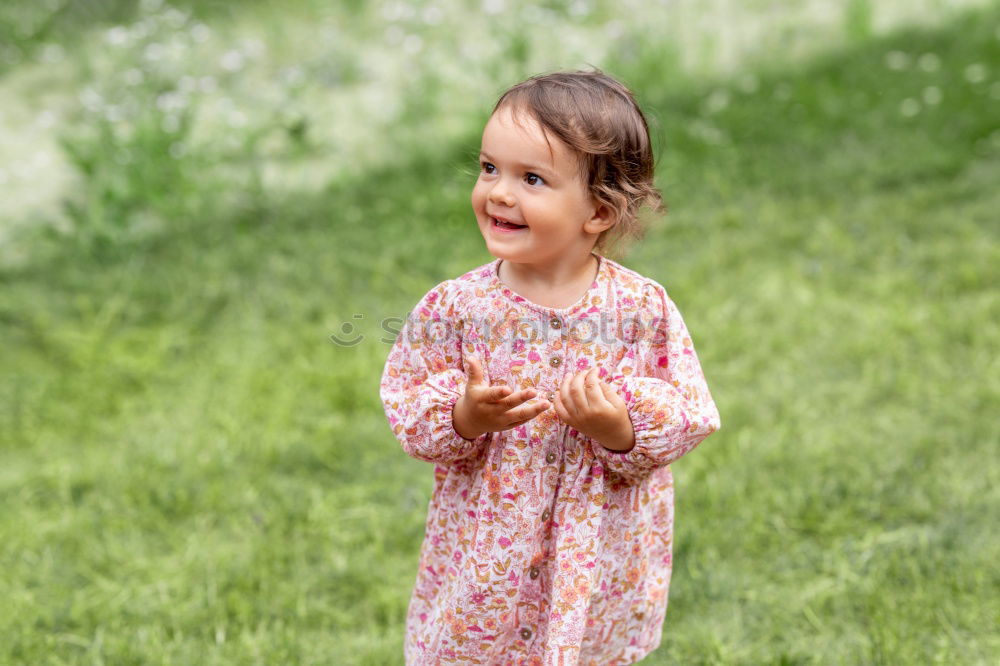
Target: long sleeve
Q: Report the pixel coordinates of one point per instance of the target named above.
(424, 378)
(667, 397)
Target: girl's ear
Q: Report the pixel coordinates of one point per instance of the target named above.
(603, 218)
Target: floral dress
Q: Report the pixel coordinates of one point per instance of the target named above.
(542, 546)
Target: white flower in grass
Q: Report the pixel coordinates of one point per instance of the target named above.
(45, 119)
(432, 15)
(175, 18)
(10, 54)
(392, 11)
(253, 48)
(909, 107)
(706, 132)
(154, 52)
(398, 11)
(236, 118)
(200, 33)
(293, 76)
(535, 14)
(897, 60)
(207, 84)
(116, 36)
(52, 53)
(170, 123)
(493, 6)
(468, 51)
(976, 73)
(929, 62)
(168, 101)
(178, 47)
(133, 77)
(748, 84)
(114, 113)
(932, 95)
(139, 30)
(232, 60)
(412, 44)
(717, 101)
(330, 34)
(394, 34)
(43, 158)
(579, 9)
(91, 99)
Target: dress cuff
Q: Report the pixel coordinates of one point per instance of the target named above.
(658, 418)
(451, 386)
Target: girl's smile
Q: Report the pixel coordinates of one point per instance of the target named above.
(504, 226)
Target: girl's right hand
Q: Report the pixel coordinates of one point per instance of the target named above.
(484, 408)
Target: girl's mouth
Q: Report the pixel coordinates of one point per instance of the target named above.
(505, 226)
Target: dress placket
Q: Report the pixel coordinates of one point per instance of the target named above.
(539, 574)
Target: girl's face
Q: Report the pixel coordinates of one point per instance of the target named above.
(523, 181)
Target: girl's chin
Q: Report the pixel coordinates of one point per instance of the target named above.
(503, 246)
(502, 251)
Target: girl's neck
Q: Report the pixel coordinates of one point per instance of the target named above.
(555, 286)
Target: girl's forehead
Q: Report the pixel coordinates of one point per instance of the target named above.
(517, 135)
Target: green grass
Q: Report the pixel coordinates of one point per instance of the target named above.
(193, 473)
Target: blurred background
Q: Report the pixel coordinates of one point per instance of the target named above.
(195, 197)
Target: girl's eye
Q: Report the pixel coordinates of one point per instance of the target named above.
(536, 177)
(486, 166)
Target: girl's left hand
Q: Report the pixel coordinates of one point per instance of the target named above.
(591, 406)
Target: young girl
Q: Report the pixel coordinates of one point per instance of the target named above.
(551, 388)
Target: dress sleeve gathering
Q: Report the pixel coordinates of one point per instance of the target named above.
(667, 397)
(423, 379)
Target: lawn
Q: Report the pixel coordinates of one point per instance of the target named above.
(193, 473)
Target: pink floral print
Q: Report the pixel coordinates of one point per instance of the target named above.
(541, 545)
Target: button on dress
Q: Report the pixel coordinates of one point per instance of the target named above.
(541, 545)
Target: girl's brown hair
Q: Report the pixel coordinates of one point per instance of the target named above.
(599, 119)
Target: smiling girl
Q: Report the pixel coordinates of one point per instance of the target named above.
(552, 388)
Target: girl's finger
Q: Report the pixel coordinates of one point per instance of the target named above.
(518, 422)
(542, 406)
(578, 391)
(595, 396)
(475, 371)
(611, 395)
(525, 413)
(496, 393)
(561, 409)
(515, 399)
(592, 383)
(569, 404)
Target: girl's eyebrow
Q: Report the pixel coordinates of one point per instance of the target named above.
(520, 164)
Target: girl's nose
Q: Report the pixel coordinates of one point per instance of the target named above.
(499, 194)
